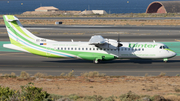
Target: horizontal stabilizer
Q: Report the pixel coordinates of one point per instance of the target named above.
(96, 40)
(11, 46)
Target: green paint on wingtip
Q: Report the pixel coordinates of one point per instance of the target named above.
(2, 49)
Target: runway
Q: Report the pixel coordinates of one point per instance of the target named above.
(18, 61)
(86, 27)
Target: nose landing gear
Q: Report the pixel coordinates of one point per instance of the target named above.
(165, 60)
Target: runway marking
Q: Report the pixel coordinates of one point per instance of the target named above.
(10, 53)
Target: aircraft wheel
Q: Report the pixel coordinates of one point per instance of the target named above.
(165, 60)
(96, 61)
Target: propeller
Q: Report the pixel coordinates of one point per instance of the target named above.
(119, 44)
(108, 43)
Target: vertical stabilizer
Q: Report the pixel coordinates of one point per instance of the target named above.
(17, 33)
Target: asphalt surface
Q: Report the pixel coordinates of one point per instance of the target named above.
(18, 61)
(84, 27)
(127, 38)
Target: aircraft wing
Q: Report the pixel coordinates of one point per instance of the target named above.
(97, 40)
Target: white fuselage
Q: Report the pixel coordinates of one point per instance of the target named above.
(129, 50)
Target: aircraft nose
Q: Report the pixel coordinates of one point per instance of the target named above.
(175, 54)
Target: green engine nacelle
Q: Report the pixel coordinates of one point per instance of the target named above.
(98, 56)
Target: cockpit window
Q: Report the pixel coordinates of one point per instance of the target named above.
(164, 47)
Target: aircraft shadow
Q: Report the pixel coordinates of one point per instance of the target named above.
(115, 61)
(140, 61)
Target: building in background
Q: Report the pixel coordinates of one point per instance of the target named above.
(164, 7)
(47, 8)
(89, 12)
(100, 12)
(86, 12)
(50, 10)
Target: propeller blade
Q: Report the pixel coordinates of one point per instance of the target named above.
(118, 39)
(119, 44)
(108, 43)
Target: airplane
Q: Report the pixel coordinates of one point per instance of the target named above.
(96, 49)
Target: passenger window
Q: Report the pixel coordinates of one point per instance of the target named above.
(64, 48)
(82, 48)
(121, 49)
(79, 48)
(61, 48)
(93, 48)
(139, 49)
(86, 48)
(129, 49)
(160, 47)
(75, 49)
(143, 49)
(89, 48)
(135, 49)
(68, 48)
(104, 49)
(71, 48)
(97, 48)
(100, 48)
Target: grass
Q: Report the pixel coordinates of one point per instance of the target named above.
(94, 76)
(162, 74)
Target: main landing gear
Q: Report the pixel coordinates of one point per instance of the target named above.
(96, 61)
